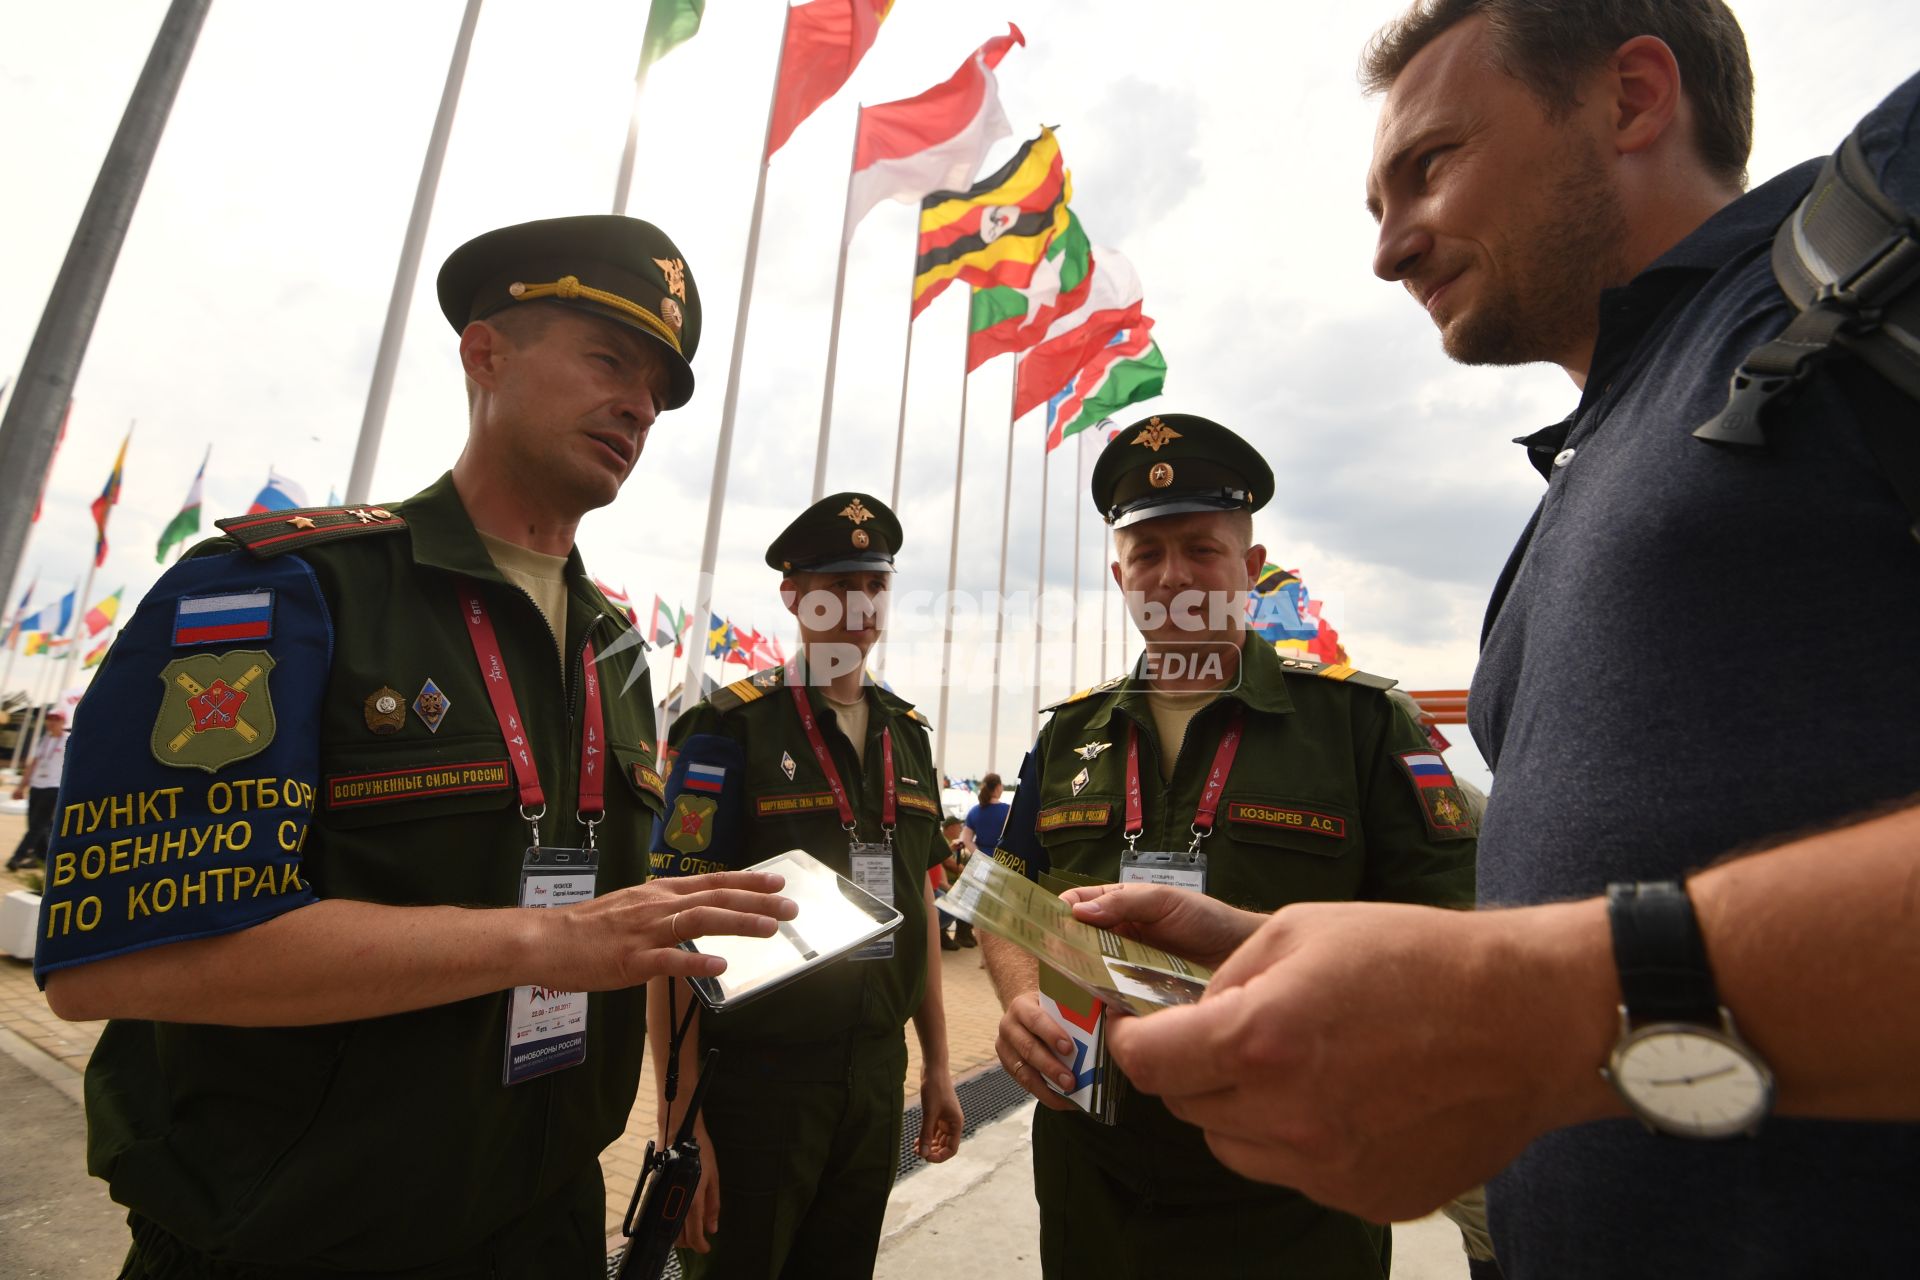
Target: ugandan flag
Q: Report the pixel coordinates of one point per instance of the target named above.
(997, 231)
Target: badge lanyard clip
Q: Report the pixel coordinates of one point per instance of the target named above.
(889, 798)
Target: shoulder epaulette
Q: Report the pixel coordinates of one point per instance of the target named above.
(1341, 671)
(1111, 683)
(268, 534)
(741, 692)
(913, 714)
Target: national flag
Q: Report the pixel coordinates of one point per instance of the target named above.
(746, 644)
(1005, 319)
(933, 141)
(20, 612)
(108, 499)
(52, 619)
(1428, 769)
(997, 231)
(1127, 370)
(705, 777)
(242, 615)
(720, 637)
(669, 23)
(96, 656)
(279, 494)
(1072, 341)
(619, 600)
(663, 628)
(33, 642)
(1274, 608)
(58, 440)
(825, 41)
(187, 523)
(101, 616)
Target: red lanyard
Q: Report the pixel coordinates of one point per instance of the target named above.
(889, 804)
(1209, 806)
(526, 775)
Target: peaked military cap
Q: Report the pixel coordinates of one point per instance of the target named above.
(621, 268)
(1173, 463)
(840, 532)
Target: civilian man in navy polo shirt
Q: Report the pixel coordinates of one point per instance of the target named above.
(1565, 183)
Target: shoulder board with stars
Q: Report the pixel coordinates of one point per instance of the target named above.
(1107, 685)
(1336, 671)
(271, 533)
(741, 692)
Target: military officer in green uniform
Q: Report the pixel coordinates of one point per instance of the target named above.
(1215, 765)
(802, 1122)
(337, 761)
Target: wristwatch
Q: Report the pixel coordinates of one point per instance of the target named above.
(1679, 1063)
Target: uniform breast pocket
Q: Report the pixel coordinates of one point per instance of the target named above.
(1081, 835)
(1323, 829)
(366, 786)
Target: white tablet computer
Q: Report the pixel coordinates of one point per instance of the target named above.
(836, 916)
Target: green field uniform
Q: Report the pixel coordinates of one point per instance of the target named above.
(804, 1110)
(388, 1145)
(1333, 793)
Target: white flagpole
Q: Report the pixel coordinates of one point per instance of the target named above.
(1106, 584)
(900, 433)
(623, 185)
(1039, 598)
(1000, 600)
(723, 448)
(833, 331)
(367, 450)
(953, 578)
(13, 644)
(1079, 487)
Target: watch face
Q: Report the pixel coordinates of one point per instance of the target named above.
(1690, 1081)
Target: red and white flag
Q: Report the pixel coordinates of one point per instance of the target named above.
(934, 141)
(1077, 338)
(825, 41)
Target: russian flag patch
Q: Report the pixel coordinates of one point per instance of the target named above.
(242, 615)
(704, 777)
(1428, 769)
(1442, 804)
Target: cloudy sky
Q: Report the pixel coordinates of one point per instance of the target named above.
(1223, 151)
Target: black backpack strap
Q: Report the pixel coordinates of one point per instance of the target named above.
(1849, 261)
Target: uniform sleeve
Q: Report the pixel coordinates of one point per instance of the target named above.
(1421, 834)
(190, 778)
(1020, 848)
(703, 826)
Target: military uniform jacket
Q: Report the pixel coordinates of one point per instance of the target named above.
(383, 1144)
(772, 796)
(1333, 795)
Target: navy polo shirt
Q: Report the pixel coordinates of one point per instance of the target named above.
(1694, 649)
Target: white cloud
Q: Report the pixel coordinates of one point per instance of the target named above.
(1222, 145)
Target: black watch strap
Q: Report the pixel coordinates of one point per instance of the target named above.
(1660, 956)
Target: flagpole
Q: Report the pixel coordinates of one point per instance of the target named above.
(31, 425)
(723, 448)
(1106, 583)
(623, 185)
(1039, 599)
(953, 578)
(35, 723)
(899, 453)
(367, 449)
(1000, 599)
(1079, 487)
(13, 641)
(833, 331)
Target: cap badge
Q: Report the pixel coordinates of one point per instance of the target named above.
(861, 539)
(1161, 476)
(675, 270)
(1156, 434)
(856, 513)
(670, 312)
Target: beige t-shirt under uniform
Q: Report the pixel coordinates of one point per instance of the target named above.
(852, 719)
(541, 576)
(1172, 713)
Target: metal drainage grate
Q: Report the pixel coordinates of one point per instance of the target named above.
(984, 1098)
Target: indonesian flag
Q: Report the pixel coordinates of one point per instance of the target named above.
(932, 142)
(825, 41)
(1072, 341)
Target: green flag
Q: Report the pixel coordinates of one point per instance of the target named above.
(669, 23)
(187, 522)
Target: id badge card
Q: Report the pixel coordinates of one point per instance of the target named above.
(547, 1030)
(872, 869)
(1181, 870)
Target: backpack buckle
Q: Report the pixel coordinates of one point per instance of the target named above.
(1741, 420)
